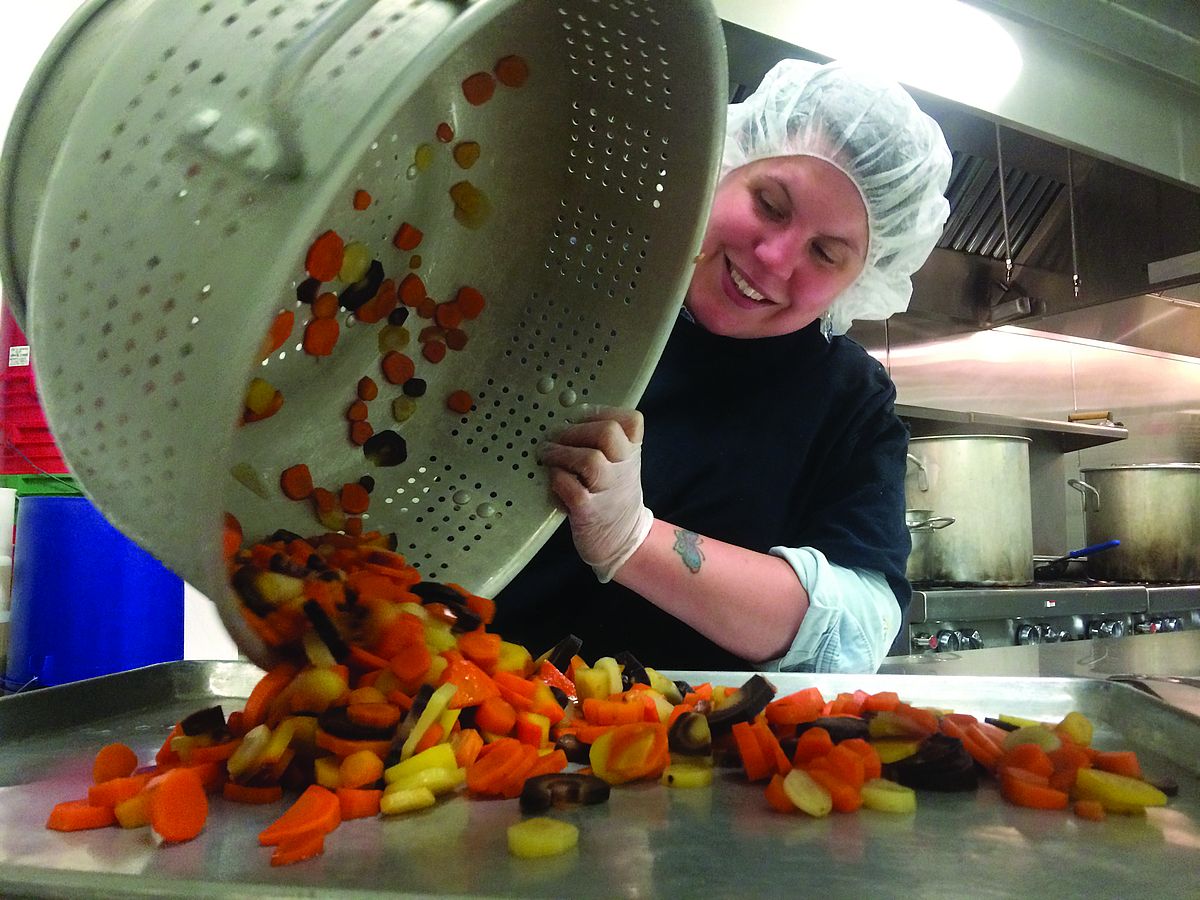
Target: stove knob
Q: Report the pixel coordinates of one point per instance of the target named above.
(1116, 628)
(1050, 634)
(1106, 629)
(1152, 627)
(971, 640)
(922, 642)
(947, 641)
(1028, 634)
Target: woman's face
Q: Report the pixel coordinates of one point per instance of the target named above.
(786, 235)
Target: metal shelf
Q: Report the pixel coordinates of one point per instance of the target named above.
(1069, 436)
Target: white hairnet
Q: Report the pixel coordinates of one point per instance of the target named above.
(871, 129)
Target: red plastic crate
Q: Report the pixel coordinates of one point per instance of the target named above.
(27, 446)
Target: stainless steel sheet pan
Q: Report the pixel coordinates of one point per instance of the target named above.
(648, 841)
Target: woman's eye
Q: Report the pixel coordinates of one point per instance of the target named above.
(823, 255)
(768, 207)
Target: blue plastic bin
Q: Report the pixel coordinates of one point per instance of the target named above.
(86, 600)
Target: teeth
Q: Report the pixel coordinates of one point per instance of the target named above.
(744, 286)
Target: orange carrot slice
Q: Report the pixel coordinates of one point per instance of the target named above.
(324, 259)
(512, 71)
(407, 237)
(114, 760)
(178, 806)
(79, 815)
(478, 88)
(316, 810)
(296, 482)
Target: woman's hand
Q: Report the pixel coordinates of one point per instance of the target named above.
(596, 471)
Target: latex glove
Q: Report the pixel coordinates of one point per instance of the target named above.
(596, 471)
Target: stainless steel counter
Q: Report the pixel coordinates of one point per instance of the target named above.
(1175, 654)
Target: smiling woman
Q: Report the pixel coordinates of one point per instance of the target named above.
(773, 458)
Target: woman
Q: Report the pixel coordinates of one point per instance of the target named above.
(773, 460)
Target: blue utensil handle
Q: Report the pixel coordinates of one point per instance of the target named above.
(1095, 548)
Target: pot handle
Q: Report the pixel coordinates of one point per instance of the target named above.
(272, 148)
(934, 523)
(922, 476)
(1084, 488)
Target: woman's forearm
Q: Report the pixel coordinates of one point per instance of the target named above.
(750, 603)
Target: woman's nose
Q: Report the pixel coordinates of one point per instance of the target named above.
(781, 251)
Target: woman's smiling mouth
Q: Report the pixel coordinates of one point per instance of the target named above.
(741, 291)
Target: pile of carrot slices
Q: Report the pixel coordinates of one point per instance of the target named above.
(391, 695)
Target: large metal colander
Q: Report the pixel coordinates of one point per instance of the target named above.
(172, 161)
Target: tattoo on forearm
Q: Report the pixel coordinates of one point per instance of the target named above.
(687, 545)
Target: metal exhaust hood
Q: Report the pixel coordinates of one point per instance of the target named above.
(1098, 115)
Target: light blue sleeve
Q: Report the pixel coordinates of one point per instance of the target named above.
(852, 617)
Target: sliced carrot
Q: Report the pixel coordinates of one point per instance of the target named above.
(872, 765)
(362, 200)
(397, 367)
(480, 647)
(812, 744)
(491, 770)
(769, 744)
(278, 333)
(296, 482)
(178, 806)
(444, 132)
(299, 848)
(326, 306)
(426, 307)
(324, 259)
(496, 716)
(448, 315)
(111, 792)
(360, 433)
(1021, 787)
(846, 765)
(754, 761)
(114, 760)
(434, 351)
(1030, 757)
(263, 694)
(79, 815)
(883, 701)
(777, 797)
(460, 402)
(367, 388)
(475, 686)
(340, 746)
(358, 803)
(469, 301)
(354, 498)
(433, 735)
(379, 714)
(356, 411)
(548, 764)
(478, 88)
(407, 237)
(231, 536)
(213, 753)
(412, 289)
(316, 810)
(467, 744)
(320, 335)
(360, 769)
(846, 797)
(1119, 762)
(512, 71)
(1092, 810)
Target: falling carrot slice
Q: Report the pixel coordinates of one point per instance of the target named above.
(478, 88)
(434, 351)
(407, 237)
(412, 290)
(296, 482)
(355, 499)
(280, 328)
(460, 402)
(324, 259)
(470, 302)
(319, 337)
(362, 200)
(397, 368)
(512, 71)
